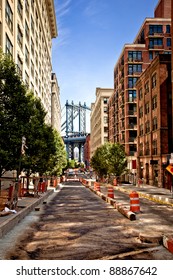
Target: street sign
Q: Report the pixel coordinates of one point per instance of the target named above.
(170, 169)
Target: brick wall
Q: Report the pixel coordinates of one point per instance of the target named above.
(163, 9)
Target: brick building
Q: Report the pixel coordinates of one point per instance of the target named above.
(154, 111)
(154, 37)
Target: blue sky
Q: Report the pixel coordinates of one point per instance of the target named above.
(91, 35)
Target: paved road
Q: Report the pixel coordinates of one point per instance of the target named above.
(77, 224)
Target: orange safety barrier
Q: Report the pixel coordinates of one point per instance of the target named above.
(55, 183)
(110, 192)
(97, 187)
(115, 182)
(39, 187)
(134, 202)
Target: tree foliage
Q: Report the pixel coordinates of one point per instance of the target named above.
(109, 159)
(22, 114)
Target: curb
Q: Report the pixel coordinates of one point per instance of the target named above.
(119, 207)
(168, 243)
(155, 198)
(13, 220)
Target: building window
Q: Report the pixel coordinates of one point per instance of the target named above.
(153, 80)
(20, 9)
(155, 123)
(19, 36)
(147, 148)
(154, 102)
(105, 129)
(9, 16)
(155, 29)
(140, 94)
(32, 25)
(134, 55)
(132, 95)
(132, 82)
(26, 79)
(155, 147)
(26, 31)
(147, 127)
(105, 109)
(32, 46)
(19, 65)
(147, 108)
(105, 120)
(140, 112)
(141, 149)
(105, 100)
(155, 42)
(36, 78)
(9, 46)
(146, 87)
(27, 8)
(168, 42)
(36, 59)
(134, 68)
(26, 56)
(168, 29)
(32, 68)
(150, 55)
(141, 130)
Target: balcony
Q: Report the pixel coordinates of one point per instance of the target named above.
(155, 47)
(132, 113)
(131, 139)
(132, 126)
(155, 34)
(132, 99)
(134, 73)
(134, 60)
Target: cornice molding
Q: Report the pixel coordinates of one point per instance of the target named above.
(52, 18)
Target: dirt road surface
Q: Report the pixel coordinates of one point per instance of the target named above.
(78, 225)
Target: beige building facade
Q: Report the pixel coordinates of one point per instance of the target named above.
(55, 104)
(99, 119)
(26, 31)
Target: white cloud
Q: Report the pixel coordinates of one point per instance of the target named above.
(62, 8)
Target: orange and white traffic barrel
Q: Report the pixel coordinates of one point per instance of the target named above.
(134, 202)
(110, 192)
(97, 187)
(115, 182)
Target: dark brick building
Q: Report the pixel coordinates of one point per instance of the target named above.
(154, 37)
(154, 113)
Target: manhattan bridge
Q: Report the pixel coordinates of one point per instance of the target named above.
(74, 127)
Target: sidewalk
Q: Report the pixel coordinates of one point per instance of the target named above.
(24, 207)
(159, 195)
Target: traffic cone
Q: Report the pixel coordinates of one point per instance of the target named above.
(110, 192)
(134, 202)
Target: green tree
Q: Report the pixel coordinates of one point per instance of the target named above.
(117, 160)
(14, 114)
(109, 159)
(58, 160)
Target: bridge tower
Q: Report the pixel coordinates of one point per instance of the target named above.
(75, 138)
